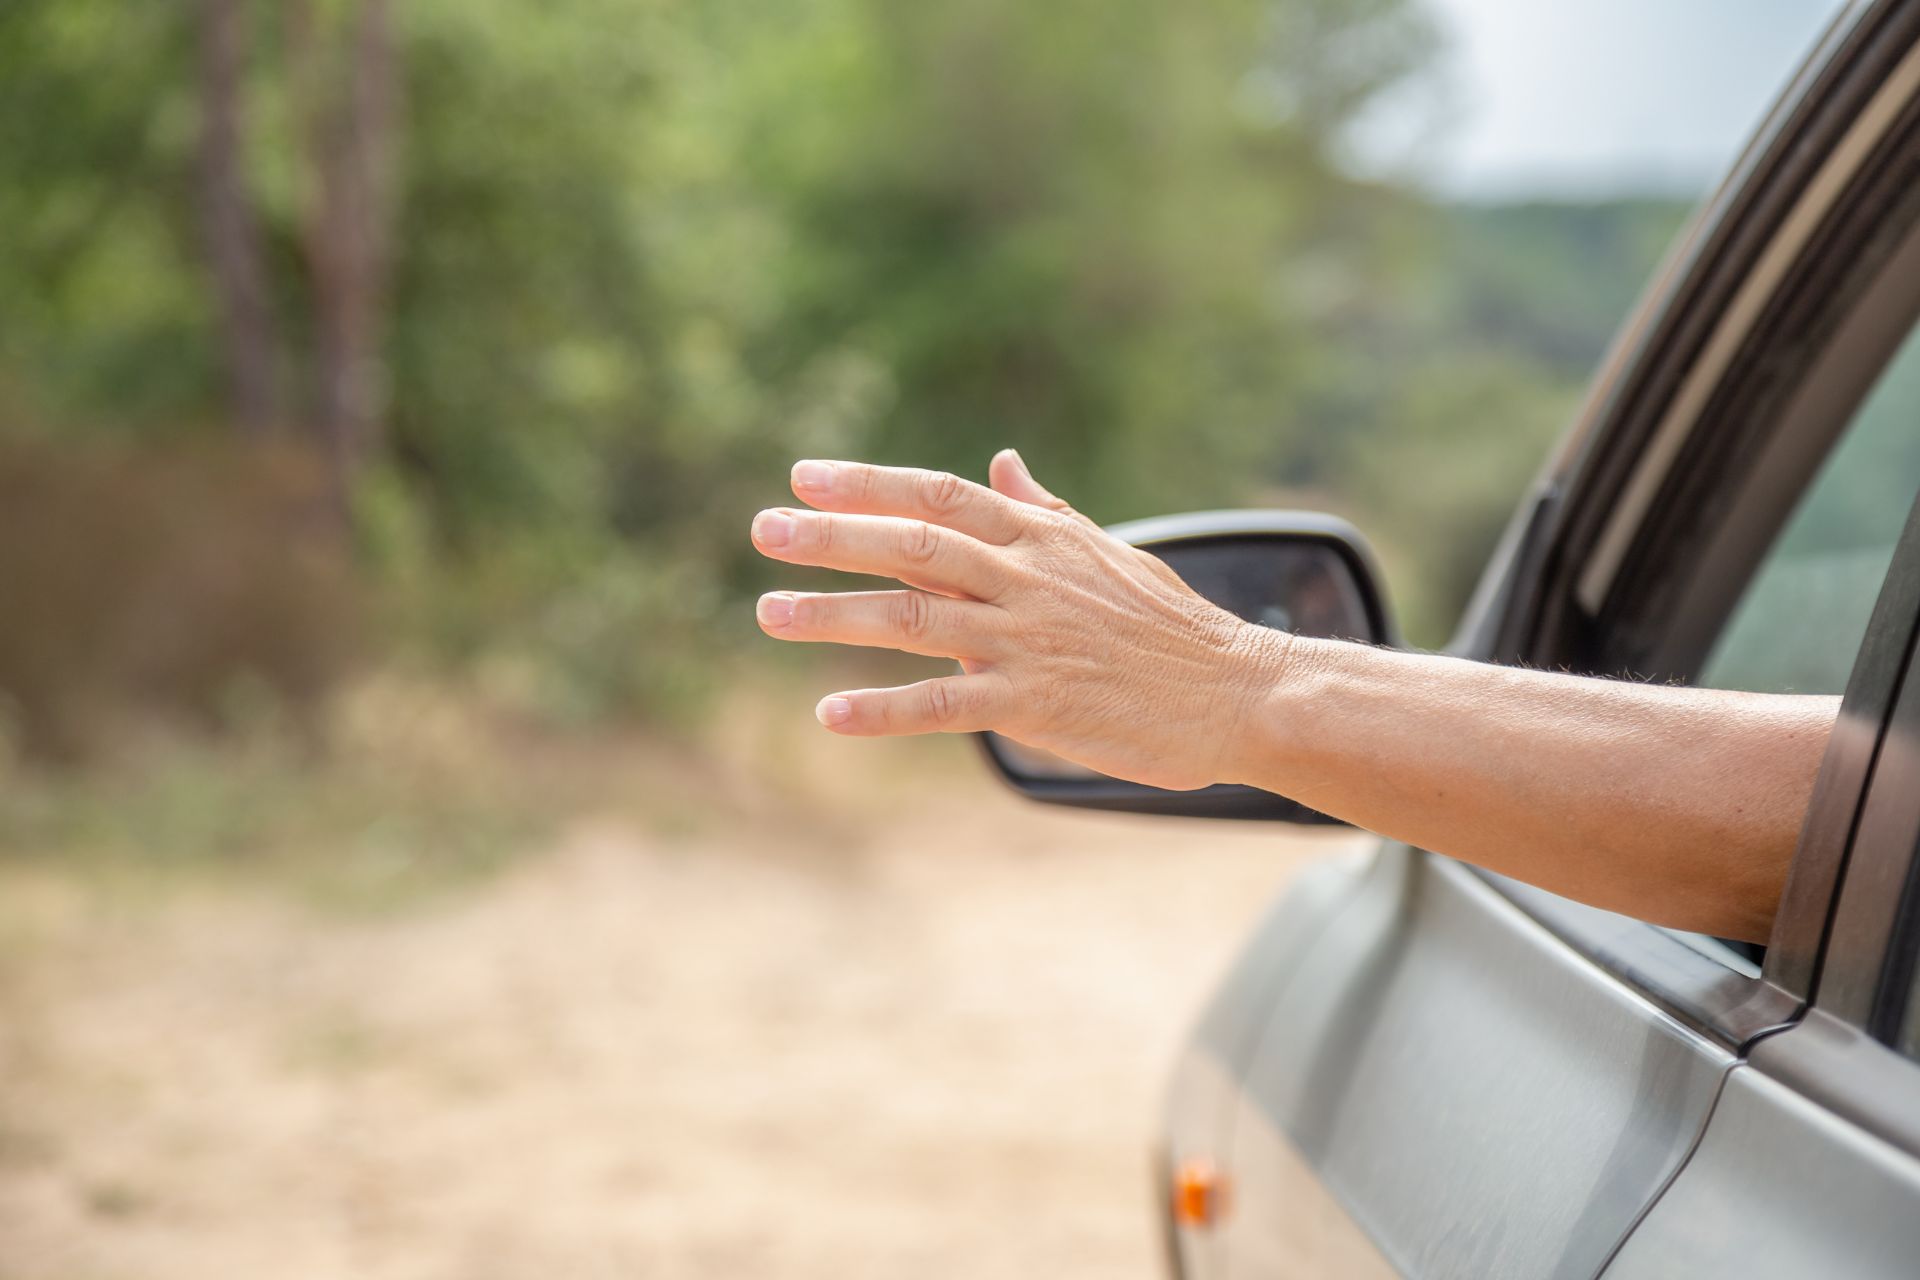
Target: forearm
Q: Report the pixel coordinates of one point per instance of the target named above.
(1677, 805)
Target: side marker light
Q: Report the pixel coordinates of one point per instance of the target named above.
(1199, 1193)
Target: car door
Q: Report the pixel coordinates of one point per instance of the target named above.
(1810, 1161)
(1476, 1078)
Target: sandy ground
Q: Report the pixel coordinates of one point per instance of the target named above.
(940, 1055)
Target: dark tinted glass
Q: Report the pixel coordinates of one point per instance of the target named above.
(1799, 624)
(1305, 588)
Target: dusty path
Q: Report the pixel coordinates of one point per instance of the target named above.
(626, 1057)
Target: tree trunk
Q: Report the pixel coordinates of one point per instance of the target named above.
(353, 126)
(229, 223)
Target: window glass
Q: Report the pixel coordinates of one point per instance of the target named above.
(1800, 623)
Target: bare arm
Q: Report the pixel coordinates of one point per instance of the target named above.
(1678, 805)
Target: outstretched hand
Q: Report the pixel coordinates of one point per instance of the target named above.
(1068, 639)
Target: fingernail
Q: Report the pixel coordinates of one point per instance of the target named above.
(1018, 460)
(814, 477)
(832, 711)
(773, 528)
(775, 609)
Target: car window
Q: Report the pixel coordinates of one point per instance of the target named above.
(1800, 622)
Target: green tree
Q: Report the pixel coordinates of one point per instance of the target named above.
(564, 288)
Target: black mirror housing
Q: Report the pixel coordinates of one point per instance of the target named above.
(1297, 571)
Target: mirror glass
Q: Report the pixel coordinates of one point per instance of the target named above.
(1288, 583)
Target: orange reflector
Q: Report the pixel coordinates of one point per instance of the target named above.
(1199, 1193)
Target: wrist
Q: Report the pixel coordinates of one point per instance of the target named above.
(1264, 673)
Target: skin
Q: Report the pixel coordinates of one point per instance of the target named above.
(1680, 806)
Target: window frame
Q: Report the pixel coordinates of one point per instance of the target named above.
(1704, 345)
(1841, 1053)
(1868, 969)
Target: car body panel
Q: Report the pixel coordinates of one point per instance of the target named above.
(1302, 1231)
(1484, 1100)
(1206, 1081)
(1810, 1164)
(1781, 1191)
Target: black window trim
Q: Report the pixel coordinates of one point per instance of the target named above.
(1867, 974)
(1848, 128)
(1839, 1054)
(1858, 810)
(1683, 312)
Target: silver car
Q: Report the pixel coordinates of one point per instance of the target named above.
(1419, 1068)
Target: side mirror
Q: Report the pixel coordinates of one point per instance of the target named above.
(1294, 570)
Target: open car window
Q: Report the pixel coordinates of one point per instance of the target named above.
(1799, 623)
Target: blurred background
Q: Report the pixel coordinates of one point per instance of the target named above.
(413, 860)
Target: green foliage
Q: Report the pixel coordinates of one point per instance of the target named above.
(105, 317)
(650, 252)
(1553, 280)
(1456, 368)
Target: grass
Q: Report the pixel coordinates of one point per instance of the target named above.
(411, 788)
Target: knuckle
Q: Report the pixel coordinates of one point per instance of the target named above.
(1162, 570)
(913, 616)
(920, 544)
(942, 704)
(943, 492)
(1056, 529)
(825, 530)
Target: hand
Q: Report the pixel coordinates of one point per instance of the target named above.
(1068, 639)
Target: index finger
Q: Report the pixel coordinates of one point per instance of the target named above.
(933, 496)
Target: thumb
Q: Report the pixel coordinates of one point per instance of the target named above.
(1008, 475)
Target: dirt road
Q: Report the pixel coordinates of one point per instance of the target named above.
(939, 1055)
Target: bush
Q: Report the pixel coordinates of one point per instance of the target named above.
(186, 584)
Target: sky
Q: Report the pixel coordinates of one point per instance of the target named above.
(1591, 97)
